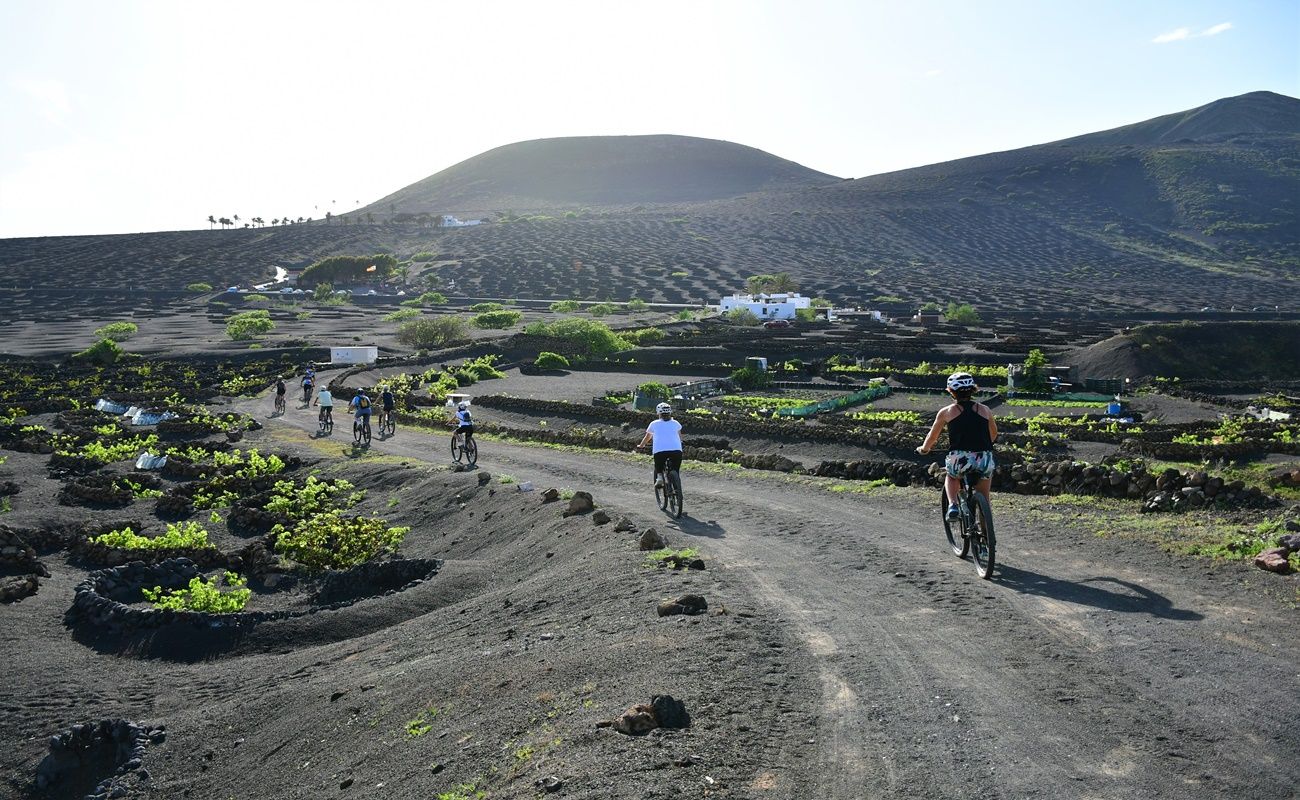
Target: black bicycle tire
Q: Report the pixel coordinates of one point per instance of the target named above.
(365, 432)
(471, 452)
(958, 543)
(675, 497)
(456, 451)
(982, 519)
(661, 496)
(356, 432)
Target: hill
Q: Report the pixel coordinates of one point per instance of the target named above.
(598, 171)
(1182, 211)
(1196, 351)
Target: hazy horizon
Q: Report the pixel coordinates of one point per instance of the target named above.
(144, 116)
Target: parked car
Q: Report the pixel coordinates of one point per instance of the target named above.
(777, 323)
(232, 288)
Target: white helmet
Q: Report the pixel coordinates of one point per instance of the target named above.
(663, 408)
(959, 381)
(462, 405)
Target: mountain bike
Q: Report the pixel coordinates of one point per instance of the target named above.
(387, 423)
(464, 449)
(361, 430)
(279, 404)
(326, 421)
(972, 532)
(669, 495)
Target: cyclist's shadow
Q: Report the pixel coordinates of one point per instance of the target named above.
(698, 527)
(1130, 597)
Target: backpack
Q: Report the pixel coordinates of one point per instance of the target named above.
(364, 402)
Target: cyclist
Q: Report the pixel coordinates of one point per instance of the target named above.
(389, 403)
(666, 435)
(464, 423)
(279, 394)
(971, 434)
(325, 400)
(361, 403)
(308, 381)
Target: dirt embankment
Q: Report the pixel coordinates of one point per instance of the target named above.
(1196, 351)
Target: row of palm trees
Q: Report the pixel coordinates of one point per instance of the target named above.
(252, 222)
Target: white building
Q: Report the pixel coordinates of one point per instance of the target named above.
(766, 306)
(450, 221)
(773, 306)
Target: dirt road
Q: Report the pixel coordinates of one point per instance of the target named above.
(1087, 668)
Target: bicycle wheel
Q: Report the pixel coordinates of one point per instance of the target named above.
(356, 432)
(471, 451)
(675, 495)
(661, 496)
(365, 433)
(456, 450)
(391, 425)
(983, 542)
(952, 529)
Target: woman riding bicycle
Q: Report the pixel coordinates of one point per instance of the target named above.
(279, 395)
(666, 435)
(464, 423)
(971, 434)
(326, 402)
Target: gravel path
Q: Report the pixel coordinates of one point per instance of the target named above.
(1086, 668)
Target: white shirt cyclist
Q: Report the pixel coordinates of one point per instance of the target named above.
(667, 435)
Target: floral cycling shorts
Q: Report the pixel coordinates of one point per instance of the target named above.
(959, 461)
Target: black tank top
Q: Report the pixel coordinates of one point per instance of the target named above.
(969, 431)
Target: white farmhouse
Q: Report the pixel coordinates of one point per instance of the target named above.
(450, 221)
(766, 306)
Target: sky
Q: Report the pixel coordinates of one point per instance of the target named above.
(120, 116)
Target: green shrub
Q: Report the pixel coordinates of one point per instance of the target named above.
(963, 314)
(655, 391)
(117, 331)
(424, 255)
(401, 314)
(643, 336)
(256, 298)
(749, 378)
(741, 316)
(349, 269)
(497, 320)
(680, 274)
(203, 595)
(199, 287)
(104, 353)
(322, 292)
(249, 325)
(482, 368)
(482, 308)
(428, 334)
(432, 299)
(332, 541)
(685, 315)
(179, 536)
(564, 306)
(886, 298)
(805, 315)
(636, 304)
(595, 338)
(547, 360)
(601, 309)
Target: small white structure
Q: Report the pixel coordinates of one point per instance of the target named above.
(450, 221)
(353, 355)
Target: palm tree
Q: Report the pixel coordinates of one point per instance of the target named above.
(211, 222)
(236, 218)
(783, 283)
(328, 214)
(275, 221)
